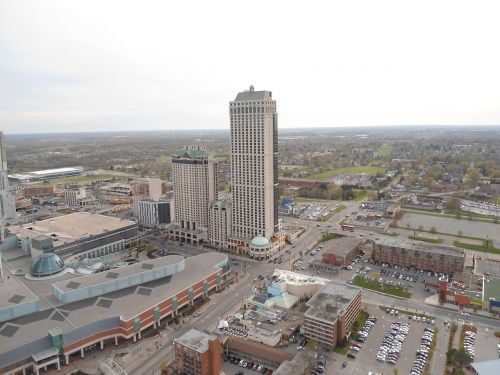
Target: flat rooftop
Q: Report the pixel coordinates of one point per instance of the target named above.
(341, 245)
(290, 277)
(487, 267)
(46, 172)
(70, 228)
(83, 282)
(331, 301)
(13, 292)
(491, 288)
(125, 303)
(195, 340)
(420, 246)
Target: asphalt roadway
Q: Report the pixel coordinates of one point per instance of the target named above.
(223, 303)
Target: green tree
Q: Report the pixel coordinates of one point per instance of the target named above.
(452, 203)
(472, 177)
(433, 230)
(462, 358)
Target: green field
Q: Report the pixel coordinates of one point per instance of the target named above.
(463, 216)
(426, 239)
(330, 236)
(340, 209)
(378, 287)
(82, 179)
(486, 247)
(408, 312)
(384, 150)
(164, 159)
(347, 170)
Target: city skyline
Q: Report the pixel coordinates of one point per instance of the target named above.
(64, 68)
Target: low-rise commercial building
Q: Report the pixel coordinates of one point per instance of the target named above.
(197, 353)
(420, 255)
(341, 251)
(331, 313)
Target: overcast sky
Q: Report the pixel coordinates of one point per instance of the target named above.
(132, 65)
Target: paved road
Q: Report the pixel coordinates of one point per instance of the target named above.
(219, 306)
(223, 303)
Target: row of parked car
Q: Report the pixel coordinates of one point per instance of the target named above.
(361, 336)
(423, 352)
(399, 275)
(249, 365)
(353, 262)
(319, 368)
(391, 344)
(236, 331)
(469, 338)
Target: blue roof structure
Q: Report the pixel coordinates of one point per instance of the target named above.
(47, 264)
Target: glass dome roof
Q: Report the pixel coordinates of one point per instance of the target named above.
(259, 241)
(47, 264)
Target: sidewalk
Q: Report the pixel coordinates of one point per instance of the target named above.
(433, 301)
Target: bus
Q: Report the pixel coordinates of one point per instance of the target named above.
(350, 228)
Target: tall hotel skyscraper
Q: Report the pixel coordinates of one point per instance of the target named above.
(195, 180)
(254, 166)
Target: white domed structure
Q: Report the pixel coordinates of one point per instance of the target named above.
(260, 248)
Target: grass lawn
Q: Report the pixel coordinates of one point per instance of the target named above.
(384, 150)
(164, 159)
(486, 247)
(376, 286)
(360, 319)
(409, 312)
(82, 179)
(393, 234)
(426, 239)
(330, 236)
(464, 215)
(309, 200)
(340, 209)
(360, 194)
(344, 171)
(342, 349)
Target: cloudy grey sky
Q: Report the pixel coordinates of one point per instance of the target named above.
(131, 65)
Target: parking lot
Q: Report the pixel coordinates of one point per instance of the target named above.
(451, 225)
(366, 358)
(317, 212)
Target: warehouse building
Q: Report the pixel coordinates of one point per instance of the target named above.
(82, 233)
(420, 255)
(46, 174)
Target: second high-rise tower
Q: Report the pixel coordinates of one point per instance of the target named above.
(254, 165)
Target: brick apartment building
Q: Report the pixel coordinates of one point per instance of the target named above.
(197, 353)
(39, 191)
(420, 255)
(331, 313)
